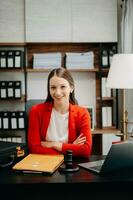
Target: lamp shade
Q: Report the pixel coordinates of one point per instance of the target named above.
(120, 75)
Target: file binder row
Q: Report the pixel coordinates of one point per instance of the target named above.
(107, 55)
(12, 120)
(10, 89)
(17, 139)
(11, 59)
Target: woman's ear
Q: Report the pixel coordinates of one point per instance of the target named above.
(72, 88)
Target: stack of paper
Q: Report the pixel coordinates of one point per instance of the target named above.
(46, 60)
(80, 60)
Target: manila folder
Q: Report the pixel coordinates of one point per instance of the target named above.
(39, 163)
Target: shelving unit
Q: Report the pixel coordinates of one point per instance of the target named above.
(14, 105)
(98, 71)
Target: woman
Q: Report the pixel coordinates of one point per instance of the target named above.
(59, 124)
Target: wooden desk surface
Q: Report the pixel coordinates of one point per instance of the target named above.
(66, 186)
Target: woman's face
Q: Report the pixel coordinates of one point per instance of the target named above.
(59, 89)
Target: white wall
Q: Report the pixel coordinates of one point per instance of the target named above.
(71, 21)
(12, 21)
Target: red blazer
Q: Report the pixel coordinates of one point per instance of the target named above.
(79, 122)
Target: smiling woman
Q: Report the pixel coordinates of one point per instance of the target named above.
(59, 124)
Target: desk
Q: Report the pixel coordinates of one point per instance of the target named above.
(69, 186)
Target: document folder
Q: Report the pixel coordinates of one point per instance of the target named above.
(10, 59)
(3, 59)
(18, 58)
(35, 163)
(10, 93)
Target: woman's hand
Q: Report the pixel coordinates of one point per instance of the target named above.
(54, 145)
(80, 139)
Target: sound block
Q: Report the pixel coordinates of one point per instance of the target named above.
(65, 169)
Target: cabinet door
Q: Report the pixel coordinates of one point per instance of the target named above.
(48, 21)
(11, 21)
(94, 21)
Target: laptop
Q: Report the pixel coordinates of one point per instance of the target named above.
(39, 163)
(119, 157)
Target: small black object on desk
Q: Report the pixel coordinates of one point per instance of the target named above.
(68, 165)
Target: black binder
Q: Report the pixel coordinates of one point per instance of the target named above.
(10, 59)
(0, 120)
(105, 58)
(3, 89)
(17, 89)
(21, 119)
(10, 89)
(18, 59)
(13, 120)
(3, 59)
(5, 120)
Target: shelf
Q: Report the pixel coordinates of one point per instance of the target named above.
(22, 99)
(72, 70)
(83, 70)
(11, 70)
(12, 44)
(107, 130)
(106, 98)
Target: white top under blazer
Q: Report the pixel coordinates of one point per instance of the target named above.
(58, 127)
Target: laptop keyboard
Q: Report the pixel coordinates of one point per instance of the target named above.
(93, 165)
(97, 168)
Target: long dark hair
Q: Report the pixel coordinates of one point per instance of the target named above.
(62, 73)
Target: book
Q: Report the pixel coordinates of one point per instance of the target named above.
(107, 116)
(39, 163)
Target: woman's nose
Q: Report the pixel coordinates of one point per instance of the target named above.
(58, 91)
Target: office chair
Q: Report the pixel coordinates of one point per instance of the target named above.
(28, 106)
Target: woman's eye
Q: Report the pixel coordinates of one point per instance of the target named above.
(63, 86)
(52, 88)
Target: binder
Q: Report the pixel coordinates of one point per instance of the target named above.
(18, 59)
(111, 53)
(17, 89)
(0, 88)
(10, 59)
(104, 92)
(105, 58)
(3, 63)
(10, 90)
(13, 118)
(0, 120)
(3, 90)
(5, 120)
(104, 117)
(21, 119)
